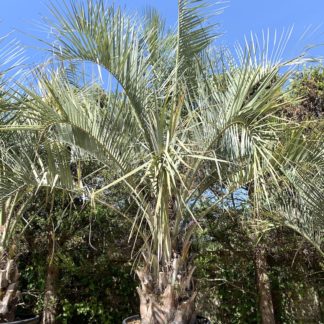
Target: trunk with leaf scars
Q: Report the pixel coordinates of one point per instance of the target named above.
(263, 286)
(50, 298)
(170, 298)
(9, 294)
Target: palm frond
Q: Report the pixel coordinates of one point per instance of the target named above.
(195, 30)
(27, 166)
(103, 35)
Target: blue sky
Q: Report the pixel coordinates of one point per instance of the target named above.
(239, 18)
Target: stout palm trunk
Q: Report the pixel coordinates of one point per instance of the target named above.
(172, 300)
(263, 285)
(9, 279)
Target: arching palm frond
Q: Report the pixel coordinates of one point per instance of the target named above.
(28, 166)
(102, 126)
(196, 32)
(105, 36)
(301, 205)
(242, 122)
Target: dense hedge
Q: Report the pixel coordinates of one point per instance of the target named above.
(98, 286)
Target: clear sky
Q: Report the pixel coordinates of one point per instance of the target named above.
(240, 17)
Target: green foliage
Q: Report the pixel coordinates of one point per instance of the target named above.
(95, 282)
(308, 85)
(96, 286)
(226, 275)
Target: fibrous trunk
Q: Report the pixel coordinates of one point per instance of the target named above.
(169, 298)
(9, 277)
(263, 285)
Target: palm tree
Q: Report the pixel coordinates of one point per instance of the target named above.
(184, 124)
(28, 167)
(11, 207)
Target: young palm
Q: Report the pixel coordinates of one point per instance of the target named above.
(27, 166)
(10, 207)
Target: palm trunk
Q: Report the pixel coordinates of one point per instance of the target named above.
(9, 277)
(170, 299)
(50, 298)
(263, 286)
